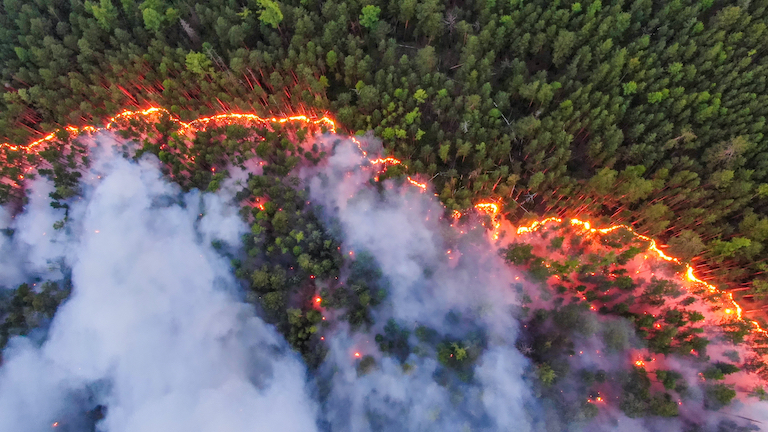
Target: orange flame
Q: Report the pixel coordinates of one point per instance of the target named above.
(422, 186)
(536, 225)
(259, 203)
(492, 209)
(360, 146)
(386, 161)
(198, 124)
(389, 161)
(733, 307)
(201, 123)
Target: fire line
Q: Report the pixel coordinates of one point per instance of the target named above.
(732, 309)
(490, 208)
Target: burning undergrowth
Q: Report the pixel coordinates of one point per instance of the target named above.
(686, 342)
(406, 317)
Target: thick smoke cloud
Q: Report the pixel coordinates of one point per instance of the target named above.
(36, 248)
(153, 329)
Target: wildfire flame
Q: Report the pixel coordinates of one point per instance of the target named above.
(493, 210)
(202, 123)
(489, 208)
(385, 161)
(198, 124)
(389, 161)
(733, 308)
(259, 203)
(422, 186)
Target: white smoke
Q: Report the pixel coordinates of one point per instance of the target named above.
(402, 229)
(36, 247)
(153, 329)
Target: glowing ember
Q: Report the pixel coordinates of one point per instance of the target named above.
(318, 300)
(490, 208)
(639, 363)
(596, 400)
(357, 354)
(359, 145)
(55, 424)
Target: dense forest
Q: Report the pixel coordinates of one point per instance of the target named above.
(651, 114)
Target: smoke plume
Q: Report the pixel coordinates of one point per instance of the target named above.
(154, 329)
(448, 283)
